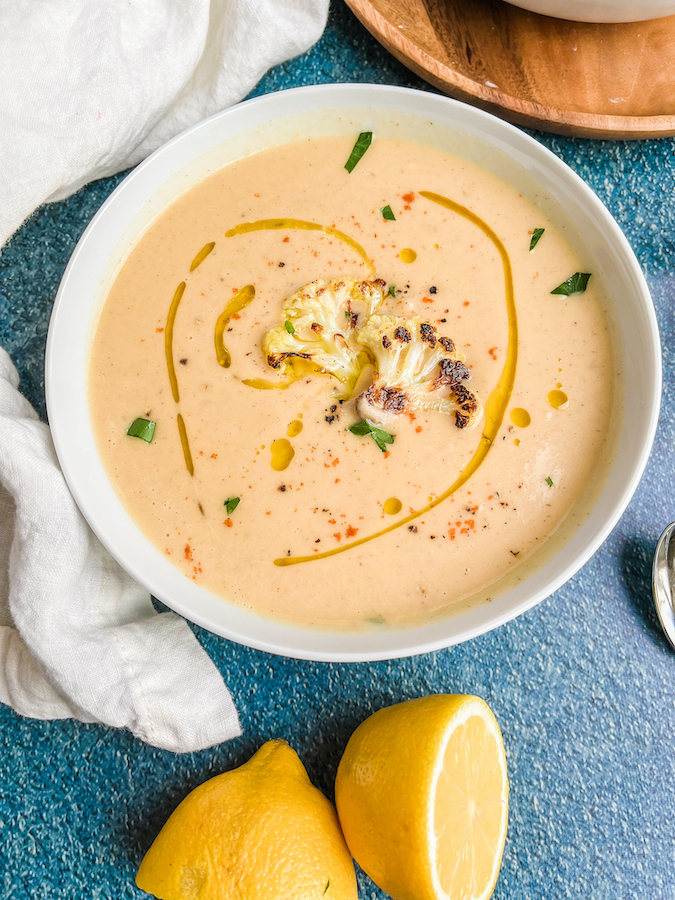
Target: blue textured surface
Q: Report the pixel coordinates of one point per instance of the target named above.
(583, 685)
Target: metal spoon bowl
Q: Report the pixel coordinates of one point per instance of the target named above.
(663, 582)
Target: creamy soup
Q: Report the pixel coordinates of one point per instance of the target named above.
(302, 463)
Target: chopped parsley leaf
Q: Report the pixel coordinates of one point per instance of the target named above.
(381, 438)
(143, 429)
(363, 141)
(575, 284)
(549, 481)
(231, 504)
(289, 327)
(388, 213)
(392, 290)
(536, 234)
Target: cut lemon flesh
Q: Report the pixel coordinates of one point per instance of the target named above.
(469, 804)
(422, 797)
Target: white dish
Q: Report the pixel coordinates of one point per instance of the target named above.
(270, 120)
(599, 11)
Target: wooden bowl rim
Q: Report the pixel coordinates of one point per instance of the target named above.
(522, 112)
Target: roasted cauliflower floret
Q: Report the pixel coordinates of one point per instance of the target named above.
(415, 369)
(320, 322)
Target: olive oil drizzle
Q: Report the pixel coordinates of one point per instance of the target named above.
(168, 351)
(168, 340)
(282, 224)
(240, 301)
(186, 445)
(201, 256)
(495, 407)
(260, 384)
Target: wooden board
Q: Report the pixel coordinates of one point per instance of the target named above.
(603, 81)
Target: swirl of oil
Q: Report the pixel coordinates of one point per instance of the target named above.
(240, 301)
(201, 256)
(168, 352)
(495, 407)
(173, 380)
(282, 224)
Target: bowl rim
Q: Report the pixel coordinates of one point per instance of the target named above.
(402, 648)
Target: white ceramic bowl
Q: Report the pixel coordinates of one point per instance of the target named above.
(330, 109)
(599, 10)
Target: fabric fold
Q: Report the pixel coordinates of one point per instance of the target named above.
(78, 637)
(89, 89)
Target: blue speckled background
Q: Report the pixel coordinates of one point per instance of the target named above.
(583, 685)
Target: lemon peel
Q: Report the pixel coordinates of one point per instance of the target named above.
(259, 832)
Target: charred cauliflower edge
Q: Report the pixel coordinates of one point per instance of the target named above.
(336, 329)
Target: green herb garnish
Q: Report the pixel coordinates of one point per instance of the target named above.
(549, 481)
(143, 429)
(363, 141)
(388, 213)
(392, 290)
(289, 327)
(348, 315)
(231, 504)
(575, 284)
(327, 886)
(381, 438)
(536, 234)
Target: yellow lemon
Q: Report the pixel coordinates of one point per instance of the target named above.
(259, 832)
(422, 796)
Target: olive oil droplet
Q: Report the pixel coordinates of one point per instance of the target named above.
(517, 442)
(558, 399)
(294, 428)
(520, 417)
(282, 454)
(392, 506)
(407, 255)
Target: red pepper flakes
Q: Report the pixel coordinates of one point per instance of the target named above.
(228, 523)
(492, 353)
(337, 536)
(188, 552)
(351, 531)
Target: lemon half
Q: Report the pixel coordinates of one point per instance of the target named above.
(422, 797)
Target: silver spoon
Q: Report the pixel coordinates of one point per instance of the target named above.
(663, 582)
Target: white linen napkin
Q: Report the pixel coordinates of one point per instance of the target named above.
(87, 89)
(78, 637)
